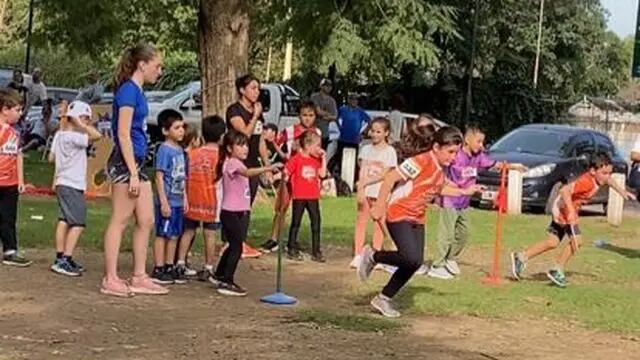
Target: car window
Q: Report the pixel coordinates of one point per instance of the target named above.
(265, 100)
(290, 102)
(583, 145)
(533, 141)
(604, 144)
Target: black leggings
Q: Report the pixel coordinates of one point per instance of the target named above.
(234, 227)
(409, 239)
(313, 208)
(8, 215)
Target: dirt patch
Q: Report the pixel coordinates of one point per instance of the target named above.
(45, 316)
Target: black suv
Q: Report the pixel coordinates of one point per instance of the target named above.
(554, 154)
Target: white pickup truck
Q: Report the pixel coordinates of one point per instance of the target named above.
(279, 102)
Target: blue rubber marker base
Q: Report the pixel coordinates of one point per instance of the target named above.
(279, 298)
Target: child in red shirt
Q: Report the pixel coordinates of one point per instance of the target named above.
(11, 176)
(304, 171)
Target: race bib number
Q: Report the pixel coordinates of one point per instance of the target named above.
(410, 168)
(257, 130)
(247, 193)
(308, 172)
(469, 172)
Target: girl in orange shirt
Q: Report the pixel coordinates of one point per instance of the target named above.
(415, 183)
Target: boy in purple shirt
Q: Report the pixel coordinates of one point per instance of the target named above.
(453, 229)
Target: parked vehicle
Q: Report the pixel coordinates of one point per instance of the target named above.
(279, 103)
(554, 155)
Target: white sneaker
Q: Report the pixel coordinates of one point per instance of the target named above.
(422, 270)
(440, 273)
(384, 267)
(452, 267)
(355, 262)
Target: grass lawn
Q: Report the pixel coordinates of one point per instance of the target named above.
(604, 285)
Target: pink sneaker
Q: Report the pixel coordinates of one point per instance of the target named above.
(117, 288)
(143, 284)
(249, 252)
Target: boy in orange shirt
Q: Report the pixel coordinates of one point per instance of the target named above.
(11, 176)
(565, 218)
(202, 196)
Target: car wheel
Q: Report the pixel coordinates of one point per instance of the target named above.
(555, 190)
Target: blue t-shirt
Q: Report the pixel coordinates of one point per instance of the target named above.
(351, 120)
(131, 95)
(171, 162)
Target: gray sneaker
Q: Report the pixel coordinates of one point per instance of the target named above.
(517, 265)
(366, 264)
(557, 277)
(440, 273)
(384, 306)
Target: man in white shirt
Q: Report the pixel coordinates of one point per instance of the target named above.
(37, 91)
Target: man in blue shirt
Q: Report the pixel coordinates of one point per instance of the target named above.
(351, 120)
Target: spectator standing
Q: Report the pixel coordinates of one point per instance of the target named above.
(326, 109)
(396, 118)
(37, 90)
(351, 120)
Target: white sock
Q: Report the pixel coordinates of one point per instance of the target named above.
(209, 268)
(180, 262)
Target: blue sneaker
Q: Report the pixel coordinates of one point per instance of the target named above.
(557, 277)
(63, 267)
(76, 265)
(517, 265)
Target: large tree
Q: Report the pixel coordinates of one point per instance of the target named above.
(223, 36)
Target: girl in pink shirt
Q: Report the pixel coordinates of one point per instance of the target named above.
(236, 207)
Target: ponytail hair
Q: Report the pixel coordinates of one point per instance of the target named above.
(416, 140)
(129, 62)
(232, 137)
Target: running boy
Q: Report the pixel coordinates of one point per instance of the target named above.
(304, 171)
(454, 221)
(170, 185)
(564, 222)
(11, 176)
(289, 139)
(420, 178)
(202, 196)
(69, 150)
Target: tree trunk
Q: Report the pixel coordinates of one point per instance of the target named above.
(223, 38)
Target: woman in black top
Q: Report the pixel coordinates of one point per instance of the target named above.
(245, 116)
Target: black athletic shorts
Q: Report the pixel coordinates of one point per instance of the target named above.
(562, 231)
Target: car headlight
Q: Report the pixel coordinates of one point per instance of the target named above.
(540, 171)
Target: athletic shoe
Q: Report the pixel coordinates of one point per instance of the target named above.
(318, 257)
(557, 277)
(367, 264)
(231, 289)
(63, 267)
(269, 246)
(517, 265)
(356, 260)
(452, 267)
(384, 306)
(422, 270)
(440, 273)
(178, 274)
(15, 260)
(249, 252)
(161, 277)
(384, 267)
(76, 265)
(189, 271)
(203, 275)
(145, 286)
(295, 255)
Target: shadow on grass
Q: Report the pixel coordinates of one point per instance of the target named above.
(543, 276)
(626, 252)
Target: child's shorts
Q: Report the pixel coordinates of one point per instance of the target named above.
(72, 206)
(194, 224)
(562, 230)
(171, 227)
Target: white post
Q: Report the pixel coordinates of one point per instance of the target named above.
(348, 172)
(514, 193)
(288, 57)
(616, 202)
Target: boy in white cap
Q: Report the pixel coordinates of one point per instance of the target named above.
(69, 151)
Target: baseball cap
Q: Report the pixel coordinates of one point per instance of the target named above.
(78, 108)
(325, 82)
